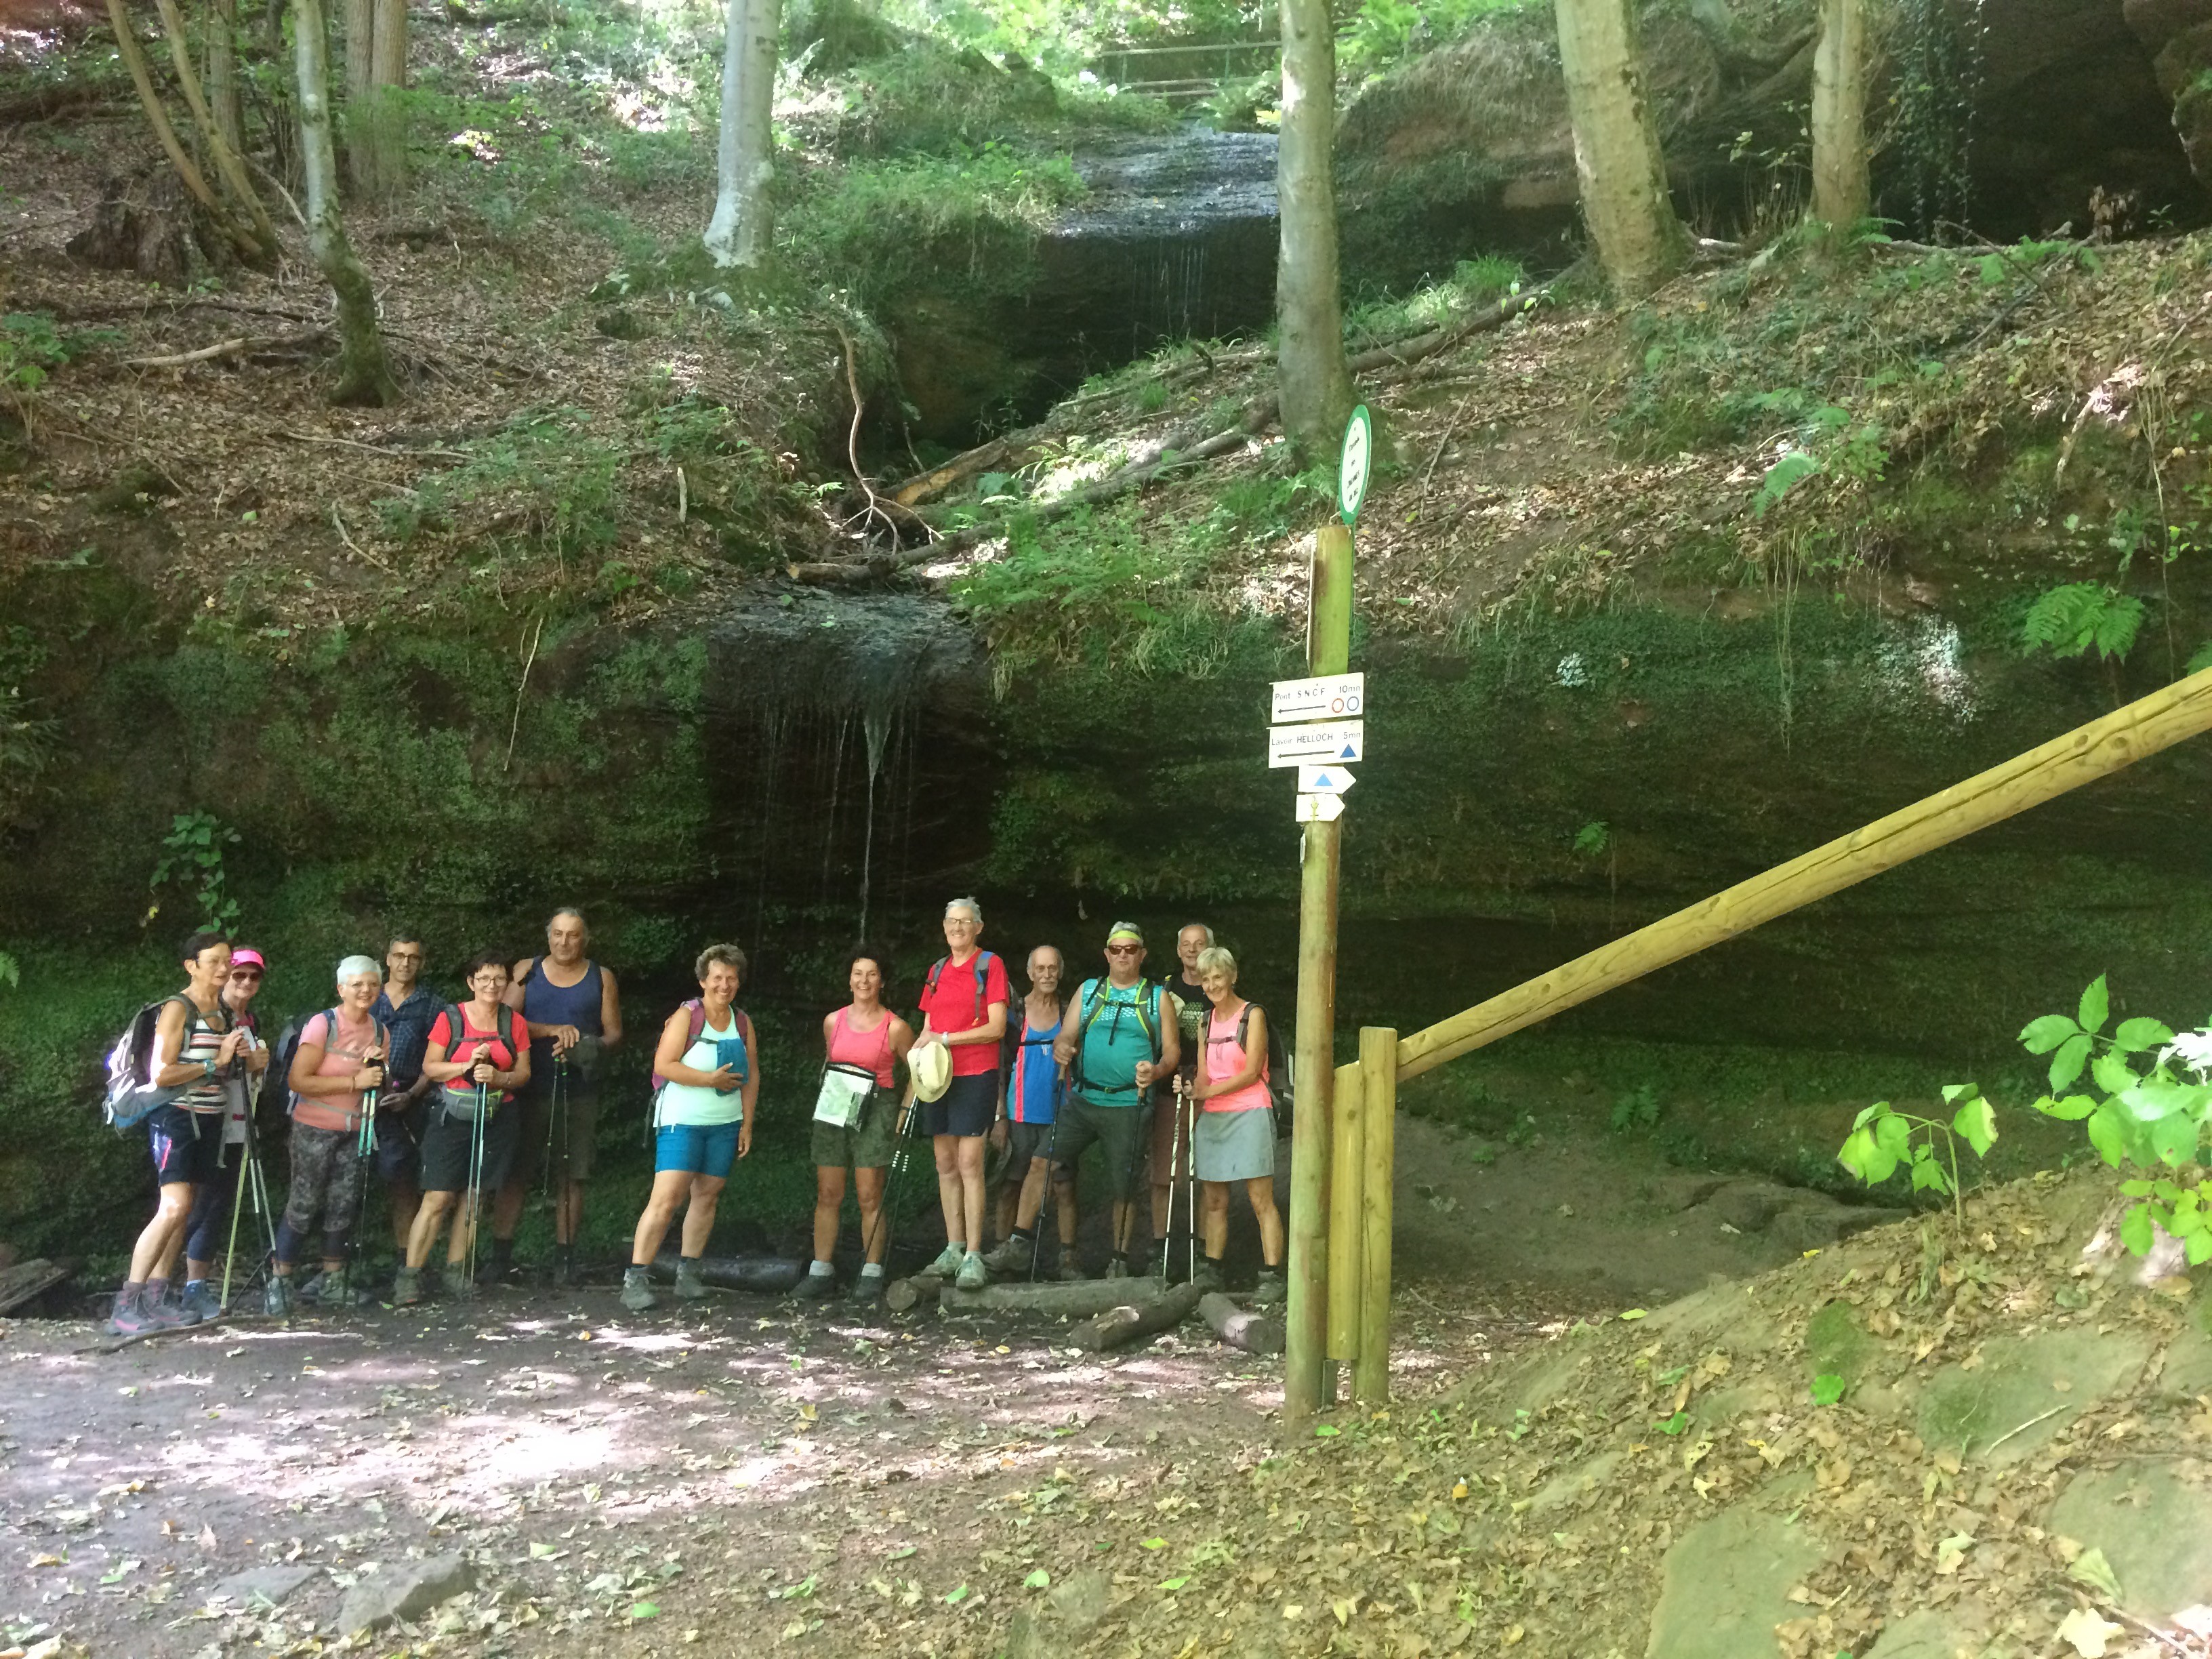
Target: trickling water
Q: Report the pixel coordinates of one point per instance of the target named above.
(876, 723)
(1942, 61)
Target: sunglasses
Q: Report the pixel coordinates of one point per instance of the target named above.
(1123, 949)
(247, 972)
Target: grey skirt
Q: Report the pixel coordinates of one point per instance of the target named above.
(1235, 1146)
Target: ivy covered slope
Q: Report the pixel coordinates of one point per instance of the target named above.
(1649, 604)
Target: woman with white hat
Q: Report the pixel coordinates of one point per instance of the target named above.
(963, 1007)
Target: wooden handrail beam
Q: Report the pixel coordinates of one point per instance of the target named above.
(2082, 756)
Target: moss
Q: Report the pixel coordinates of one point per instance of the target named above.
(1836, 1346)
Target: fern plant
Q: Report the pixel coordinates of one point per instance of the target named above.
(2082, 617)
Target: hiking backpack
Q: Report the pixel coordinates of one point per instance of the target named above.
(983, 960)
(287, 1050)
(128, 1095)
(1091, 1003)
(696, 1008)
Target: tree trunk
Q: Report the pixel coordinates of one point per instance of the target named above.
(387, 109)
(222, 73)
(363, 375)
(226, 161)
(1316, 387)
(360, 23)
(742, 229)
(1842, 195)
(134, 60)
(1623, 176)
(768, 1275)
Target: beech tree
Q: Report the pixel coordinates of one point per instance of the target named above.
(236, 212)
(1316, 385)
(741, 230)
(364, 376)
(1842, 193)
(1617, 158)
(376, 73)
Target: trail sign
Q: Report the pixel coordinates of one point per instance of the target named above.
(1320, 809)
(1325, 780)
(1326, 697)
(1352, 465)
(1296, 745)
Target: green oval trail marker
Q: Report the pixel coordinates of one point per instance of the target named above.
(1351, 466)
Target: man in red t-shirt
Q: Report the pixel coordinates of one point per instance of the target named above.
(963, 1006)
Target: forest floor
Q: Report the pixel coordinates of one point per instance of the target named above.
(858, 1483)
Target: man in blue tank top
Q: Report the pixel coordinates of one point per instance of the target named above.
(574, 1014)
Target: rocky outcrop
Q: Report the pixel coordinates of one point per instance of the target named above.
(2180, 32)
(1468, 149)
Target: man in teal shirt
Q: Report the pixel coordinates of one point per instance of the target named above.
(1119, 1035)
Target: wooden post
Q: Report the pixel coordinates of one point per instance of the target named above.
(1347, 1236)
(2082, 756)
(1378, 1094)
(1306, 1384)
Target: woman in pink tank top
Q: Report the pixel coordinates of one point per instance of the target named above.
(864, 1036)
(1235, 1137)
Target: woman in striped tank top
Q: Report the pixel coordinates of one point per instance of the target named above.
(194, 1046)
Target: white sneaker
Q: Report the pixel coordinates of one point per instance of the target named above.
(948, 1262)
(974, 1275)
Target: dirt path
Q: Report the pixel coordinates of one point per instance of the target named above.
(742, 1471)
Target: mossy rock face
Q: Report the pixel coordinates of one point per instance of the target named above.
(2026, 1389)
(2153, 1520)
(1727, 1581)
(1837, 1345)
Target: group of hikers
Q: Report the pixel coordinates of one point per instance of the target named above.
(455, 1104)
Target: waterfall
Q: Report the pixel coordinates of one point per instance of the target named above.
(877, 724)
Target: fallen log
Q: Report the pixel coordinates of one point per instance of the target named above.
(904, 1295)
(1132, 1321)
(1256, 1333)
(1079, 1299)
(1155, 458)
(766, 1275)
(26, 1279)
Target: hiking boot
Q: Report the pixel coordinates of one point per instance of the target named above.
(689, 1285)
(406, 1288)
(973, 1275)
(637, 1290)
(331, 1291)
(1117, 1266)
(127, 1317)
(1271, 1290)
(1014, 1256)
(1070, 1271)
(815, 1287)
(200, 1297)
(278, 1295)
(165, 1297)
(1208, 1277)
(867, 1290)
(458, 1284)
(947, 1263)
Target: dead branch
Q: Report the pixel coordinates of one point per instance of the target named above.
(1132, 1321)
(244, 345)
(853, 439)
(1253, 1333)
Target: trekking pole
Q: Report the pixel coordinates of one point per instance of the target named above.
(237, 1205)
(476, 1179)
(364, 1152)
(1189, 1175)
(1175, 1165)
(885, 1217)
(556, 1139)
(1051, 1191)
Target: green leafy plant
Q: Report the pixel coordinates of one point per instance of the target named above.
(191, 856)
(2080, 617)
(11, 971)
(1828, 1388)
(1883, 1138)
(1637, 1110)
(2202, 660)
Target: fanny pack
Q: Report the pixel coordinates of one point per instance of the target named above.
(843, 1094)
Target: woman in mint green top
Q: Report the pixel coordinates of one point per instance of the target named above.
(706, 1080)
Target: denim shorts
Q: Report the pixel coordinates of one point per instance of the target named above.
(707, 1149)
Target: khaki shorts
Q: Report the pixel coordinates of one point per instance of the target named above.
(867, 1144)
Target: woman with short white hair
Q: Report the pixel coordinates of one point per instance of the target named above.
(1233, 1142)
(339, 1060)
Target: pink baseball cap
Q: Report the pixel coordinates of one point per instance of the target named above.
(247, 956)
